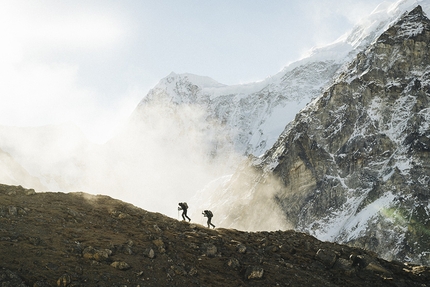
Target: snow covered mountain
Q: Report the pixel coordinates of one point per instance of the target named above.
(354, 165)
(251, 117)
(190, 130)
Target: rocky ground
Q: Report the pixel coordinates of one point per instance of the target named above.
(77, 239)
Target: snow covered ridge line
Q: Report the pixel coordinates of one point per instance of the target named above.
(363, 34)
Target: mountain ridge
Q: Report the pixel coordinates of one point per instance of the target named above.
(198, 123)
(353, 165)
(77, 239)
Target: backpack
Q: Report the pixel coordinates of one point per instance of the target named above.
(184, 205)
(209, 213)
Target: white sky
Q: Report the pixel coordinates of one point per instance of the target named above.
(90, 62)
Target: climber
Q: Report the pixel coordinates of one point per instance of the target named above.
(209, 215)
(184, 207)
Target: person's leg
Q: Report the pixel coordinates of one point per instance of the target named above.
(210, 222)
(185, 213)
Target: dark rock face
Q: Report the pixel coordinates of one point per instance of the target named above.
(354, 165)
(77, 239)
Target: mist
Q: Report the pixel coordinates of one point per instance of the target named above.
(163, 155)
(167, 153)
(245, 200)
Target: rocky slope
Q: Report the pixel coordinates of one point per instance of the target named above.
(353, 167)
(77, 239)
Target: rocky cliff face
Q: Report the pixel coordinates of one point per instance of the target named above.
(354, 166)
(77, 239)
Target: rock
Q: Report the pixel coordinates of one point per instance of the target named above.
(22, 211)
(326, 257)
(64, 280)
(241, 248)
(254, 272)
(193, 271)
(157, 229)
(13, 211)
(233, 263)
(98, 255)
(125, 249)
(160, 244)
(30, 191)
(342, 264)
(149, 252)
(121, 265)
(209, 249)
(375, 267)
(74, 213)
(179, 270)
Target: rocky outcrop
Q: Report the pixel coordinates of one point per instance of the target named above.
(77, 239)
(353, 167)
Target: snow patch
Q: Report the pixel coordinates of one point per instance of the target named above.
(357, 225)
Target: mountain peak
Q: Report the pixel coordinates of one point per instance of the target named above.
(411, 25)
(359, 151)
(201, 81)
(417, 11)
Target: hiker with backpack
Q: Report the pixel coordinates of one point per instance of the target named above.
(184, 207)
(209, 215)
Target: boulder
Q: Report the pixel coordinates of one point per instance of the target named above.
(96, 254)
(121, 265)
(326, 257)
(254, 272)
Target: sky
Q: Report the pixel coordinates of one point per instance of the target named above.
(89, 63)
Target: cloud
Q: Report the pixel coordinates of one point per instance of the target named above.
(329, 18)
(40, 84)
